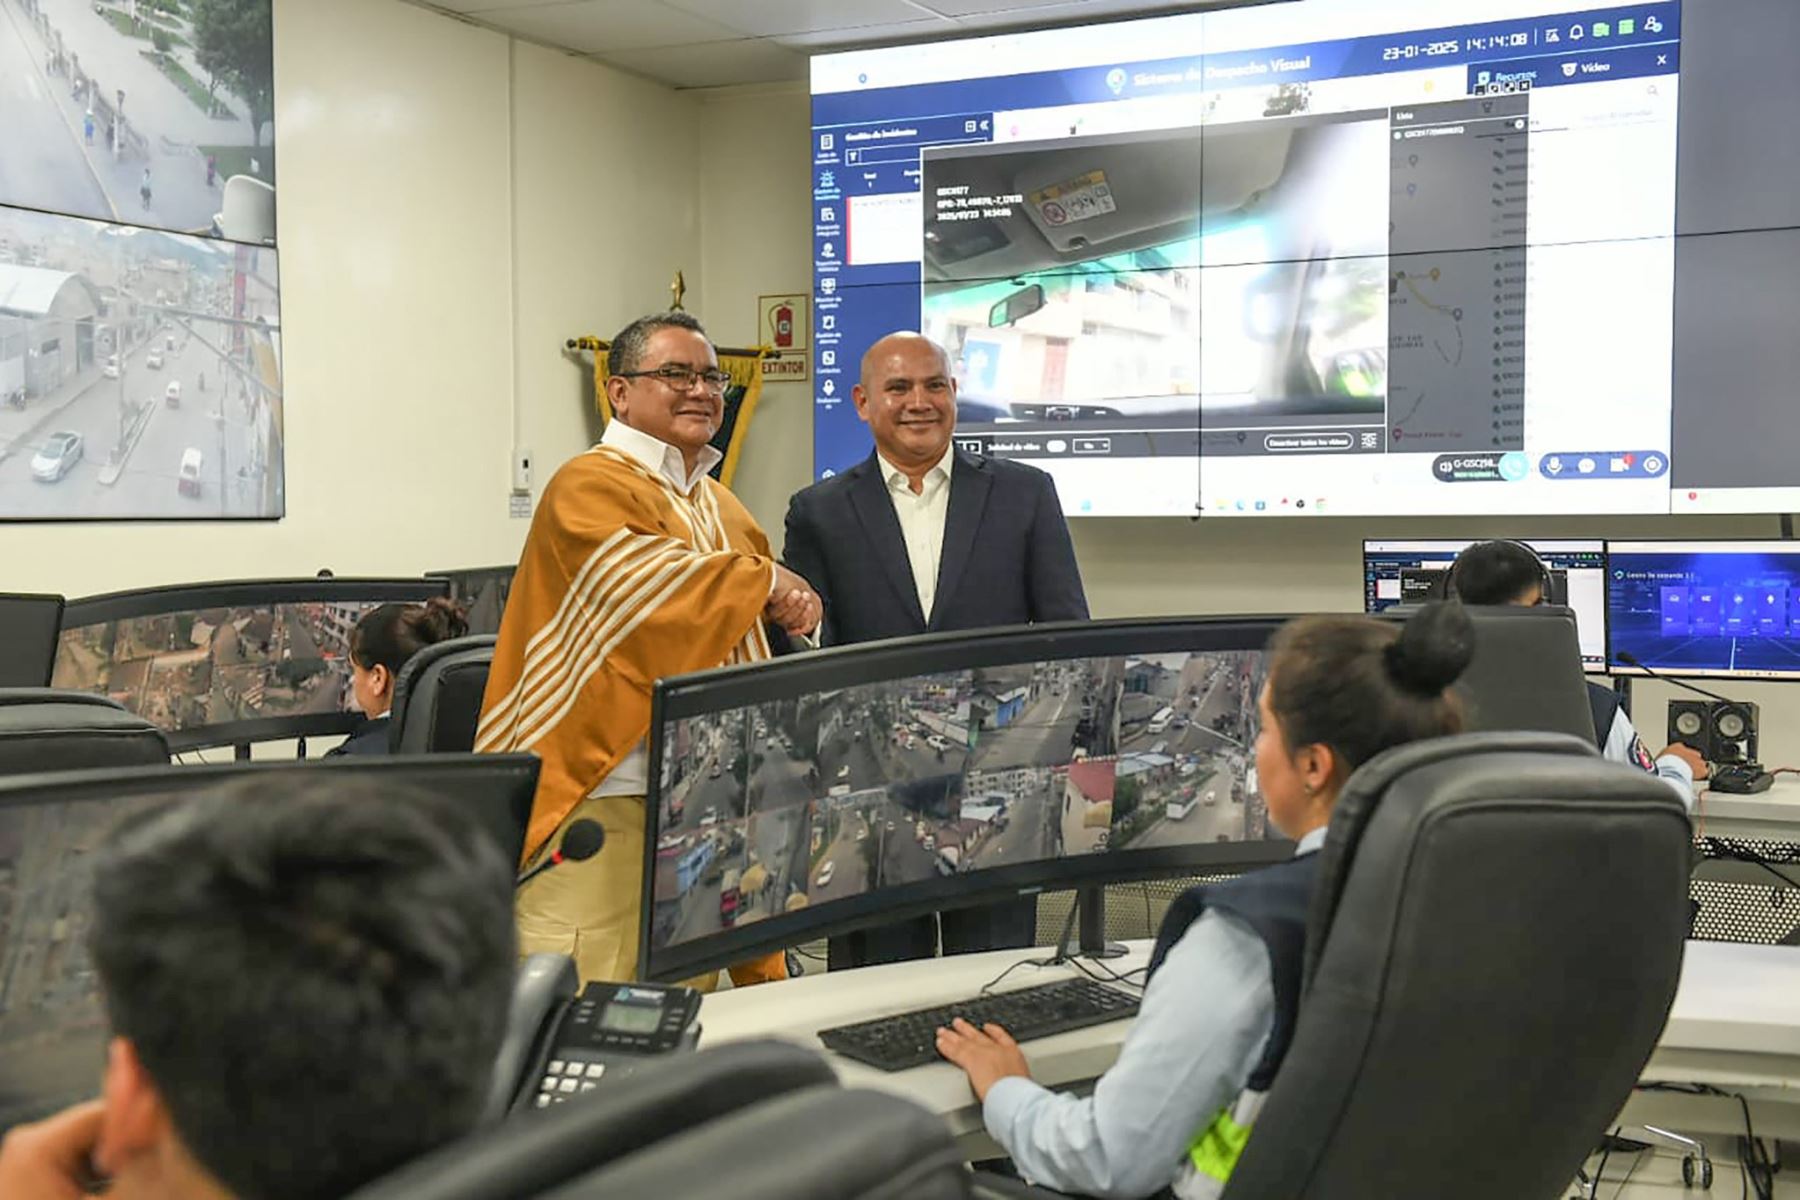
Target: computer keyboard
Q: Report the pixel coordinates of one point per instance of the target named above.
(909, 1039)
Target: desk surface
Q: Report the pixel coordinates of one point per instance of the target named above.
(1735, 1016)
(1774, 814)
(797, 1009)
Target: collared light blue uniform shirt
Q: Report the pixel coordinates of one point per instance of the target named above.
(1200, 1031)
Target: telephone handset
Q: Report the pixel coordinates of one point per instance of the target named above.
(608, 1032)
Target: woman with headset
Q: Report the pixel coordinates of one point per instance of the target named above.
(1507, 572)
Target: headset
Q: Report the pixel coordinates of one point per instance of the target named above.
(1442, 588)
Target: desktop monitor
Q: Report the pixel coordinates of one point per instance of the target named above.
(1726, 609)
(1410, 571)
(482, 592)
(52, 1027)
(826, 792)
(216, 664)
(28, 629)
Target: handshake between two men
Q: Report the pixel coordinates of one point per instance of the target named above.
(793, 604)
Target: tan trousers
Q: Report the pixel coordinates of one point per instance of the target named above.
(591, 910)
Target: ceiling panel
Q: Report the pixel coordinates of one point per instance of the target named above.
(481, 6)
(608, 26)
(905, 31)
(766, 18)
(999, 14)
(711, 43)
(714, 64)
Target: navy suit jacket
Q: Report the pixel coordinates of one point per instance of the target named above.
(1007, 558)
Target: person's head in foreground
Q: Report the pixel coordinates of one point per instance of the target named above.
(307, 981)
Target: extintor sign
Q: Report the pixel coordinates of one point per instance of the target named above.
(784, 323)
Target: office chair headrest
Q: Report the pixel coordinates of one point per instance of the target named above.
(1362, 794)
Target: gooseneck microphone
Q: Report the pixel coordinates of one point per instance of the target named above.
(580, 842)
(1632, 660)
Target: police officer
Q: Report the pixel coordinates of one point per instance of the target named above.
(1507, 572)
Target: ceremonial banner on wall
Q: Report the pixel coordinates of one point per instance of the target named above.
(745, 369)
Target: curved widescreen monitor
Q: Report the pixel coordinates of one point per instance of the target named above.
(482, 592)
(826, 792)
(53, 1028)
(28, 629)
(1726, 609)
(216, 664)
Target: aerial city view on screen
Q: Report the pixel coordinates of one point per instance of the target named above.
(780, 805)
(183, 670)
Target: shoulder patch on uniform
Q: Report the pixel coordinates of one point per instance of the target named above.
(1640, 754)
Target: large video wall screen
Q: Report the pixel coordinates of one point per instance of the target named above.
(1316, 257)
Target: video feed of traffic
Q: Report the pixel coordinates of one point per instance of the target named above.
(52, 1027)
(144, 109)
(1152, 281)
(778, 806)
(217, 666)
(140, 373)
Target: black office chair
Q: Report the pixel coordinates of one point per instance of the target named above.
(1526, 673)
(823, 1143)
(437, 697)
(1491, 955)
(53, 729)
(537, 1151)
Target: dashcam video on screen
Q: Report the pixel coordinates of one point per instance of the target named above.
(1730, 610)
(1302, 258)
(775, 807)
(217, 666)
(1152, 281)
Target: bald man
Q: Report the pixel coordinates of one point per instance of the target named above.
(921, 537)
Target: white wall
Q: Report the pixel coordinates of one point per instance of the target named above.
(606, 206)
(755, 241)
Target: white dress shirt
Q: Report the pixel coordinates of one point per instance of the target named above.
(632, 776)
(922, 517)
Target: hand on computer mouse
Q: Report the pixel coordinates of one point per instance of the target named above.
(986, 1055)
(1690, 756)
(50, 1159)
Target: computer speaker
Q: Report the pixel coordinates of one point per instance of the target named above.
(1721, 730)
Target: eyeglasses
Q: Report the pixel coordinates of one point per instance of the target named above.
(682, 378)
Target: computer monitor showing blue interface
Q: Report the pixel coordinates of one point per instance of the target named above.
(801, 797)
(1411, 571)
(227, 663)
(1706, 608)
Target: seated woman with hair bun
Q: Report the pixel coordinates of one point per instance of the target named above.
(1176, 1108)
(380, 644)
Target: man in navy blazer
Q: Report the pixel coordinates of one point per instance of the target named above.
(921, 537)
